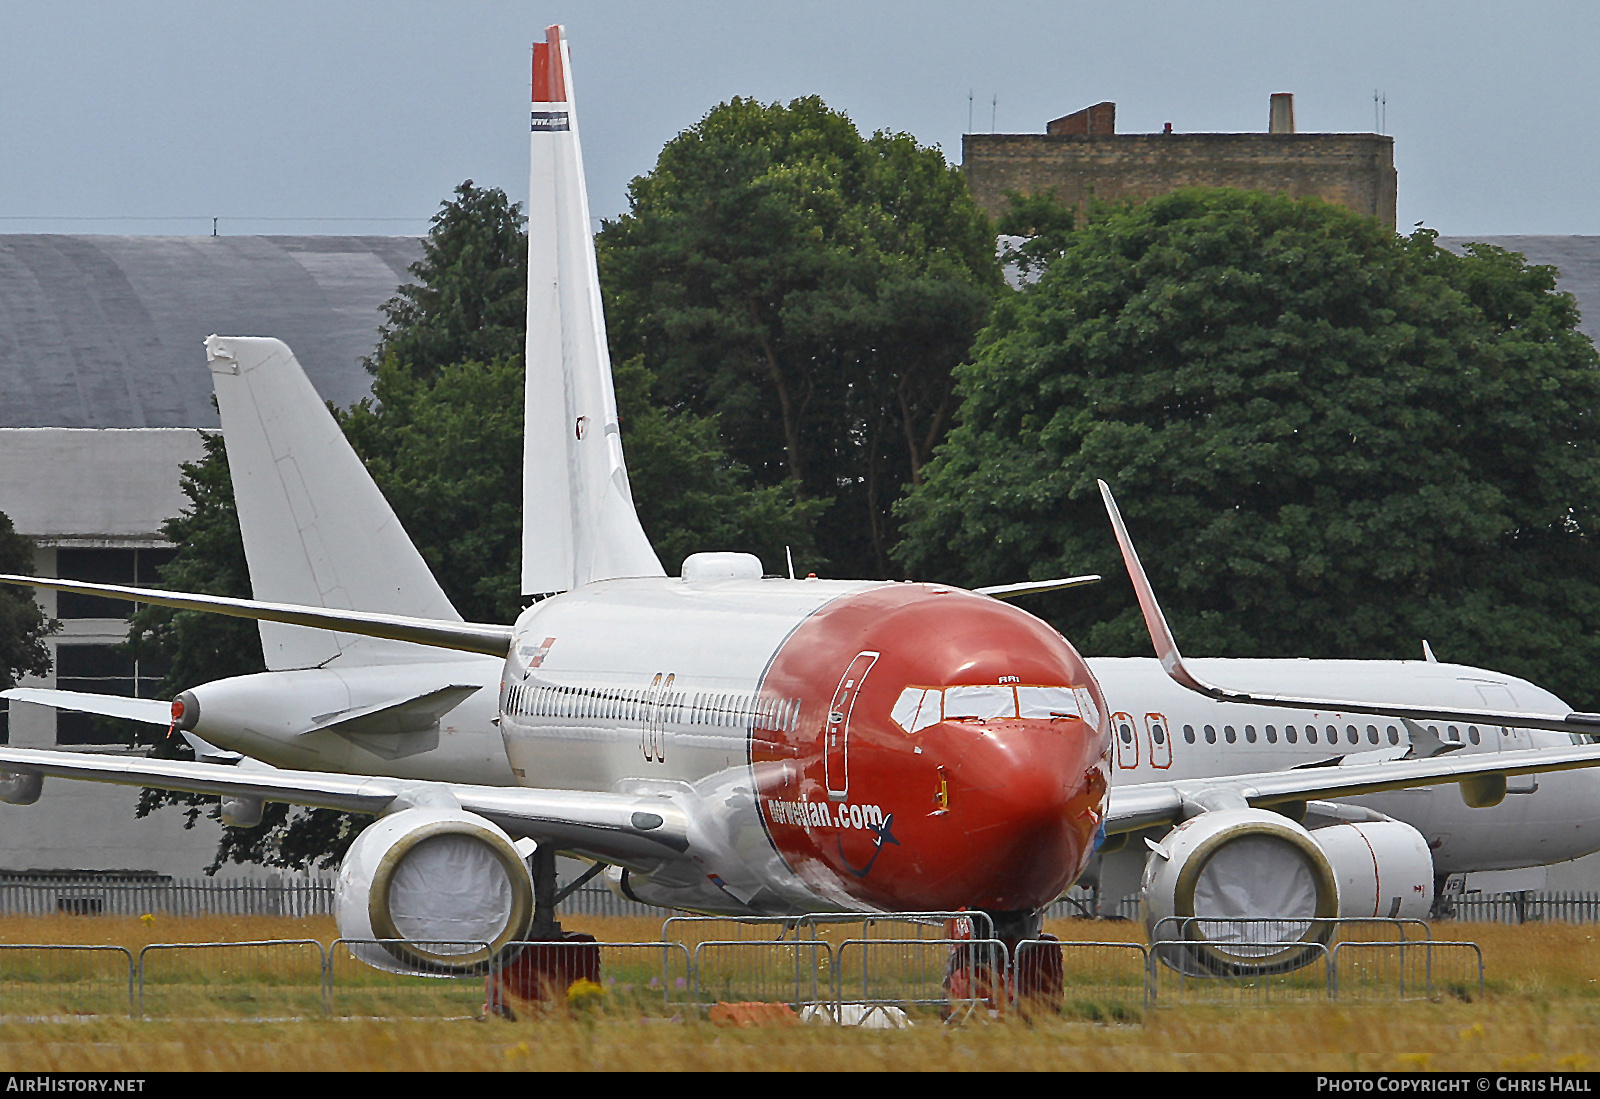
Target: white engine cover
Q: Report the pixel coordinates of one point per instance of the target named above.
(1238, 865)
(433, 880)
(1384, 869)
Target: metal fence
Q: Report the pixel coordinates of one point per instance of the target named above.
(1100, 981)
(878, 981)
(269, 979)
(49, 982)
(1242, 985)
(1524, 907)
(97, 896)
(1429, 970)
(361, 978)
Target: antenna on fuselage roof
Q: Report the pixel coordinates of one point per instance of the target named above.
(789, 556)
(578, 519)
(1427, 652)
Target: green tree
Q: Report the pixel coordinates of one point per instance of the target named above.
(23, 625)
(691, 495)
(811, 288)
(1329, 441)
(469, 302)
(1039, 226)
(445, 447)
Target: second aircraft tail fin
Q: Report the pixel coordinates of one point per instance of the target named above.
(317, 531)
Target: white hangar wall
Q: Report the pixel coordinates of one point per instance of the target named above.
(104, 391)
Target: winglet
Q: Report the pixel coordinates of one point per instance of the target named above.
(1156, 622)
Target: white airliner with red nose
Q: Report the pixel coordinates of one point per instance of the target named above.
(727, 742)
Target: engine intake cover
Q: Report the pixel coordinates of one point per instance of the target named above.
(433, 881)
(1238, 889)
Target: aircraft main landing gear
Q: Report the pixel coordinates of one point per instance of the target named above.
(554, 960)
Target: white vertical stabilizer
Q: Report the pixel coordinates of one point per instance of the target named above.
(578, 522)
(317, 531)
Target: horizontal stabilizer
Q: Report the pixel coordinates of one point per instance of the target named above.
(405, 715)
(148, 710)
(472, 637)
(1167, 650)
(1011, 591)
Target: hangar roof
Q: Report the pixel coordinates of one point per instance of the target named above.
(106, 331)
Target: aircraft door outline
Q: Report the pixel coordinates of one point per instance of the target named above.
(1159, 733)
(836, 733)
(1122, 731)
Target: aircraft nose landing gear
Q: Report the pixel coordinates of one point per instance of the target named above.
(1034, 980)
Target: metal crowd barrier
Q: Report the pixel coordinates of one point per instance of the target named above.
(797, 972)
(272, 979)
(353, 986)
(953, 977)
(1425, 970)
(1100, 981)
(51, 981)
(916, 970)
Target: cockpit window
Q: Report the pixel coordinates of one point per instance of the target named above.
(916, 709)
(983, 702)
(919, 707)
(1047, 702)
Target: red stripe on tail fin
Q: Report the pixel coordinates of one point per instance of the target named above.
(549, 80)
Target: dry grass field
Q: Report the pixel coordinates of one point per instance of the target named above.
(1540, 1010)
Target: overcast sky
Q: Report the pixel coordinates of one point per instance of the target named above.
(305, 116)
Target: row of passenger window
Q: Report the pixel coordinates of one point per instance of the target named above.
(668, 707)
(1329, 734)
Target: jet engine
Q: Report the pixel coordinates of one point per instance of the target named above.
(445, 889)
(1238, 891)
(1238, 864)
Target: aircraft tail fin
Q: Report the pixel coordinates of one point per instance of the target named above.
(317, 531)
(579, 522)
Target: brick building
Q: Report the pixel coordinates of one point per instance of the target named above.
(1081, 156)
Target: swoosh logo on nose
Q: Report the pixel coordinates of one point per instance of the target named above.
(884, 836)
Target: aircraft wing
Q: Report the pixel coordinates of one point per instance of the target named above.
(1147, 804)
(472, 637)
(621, 828)
(1172, 660)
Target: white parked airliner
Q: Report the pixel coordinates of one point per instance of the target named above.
(735, 743)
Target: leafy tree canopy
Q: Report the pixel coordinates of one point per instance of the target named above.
(23, 626)
(469, 302)
(813, 289)
(1329, 441)
(1037, 226)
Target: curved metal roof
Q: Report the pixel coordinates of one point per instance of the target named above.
(106, 331)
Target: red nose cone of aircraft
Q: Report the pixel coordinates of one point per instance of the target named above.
(950, 754)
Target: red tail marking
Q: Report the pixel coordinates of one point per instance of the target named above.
(549, 80)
